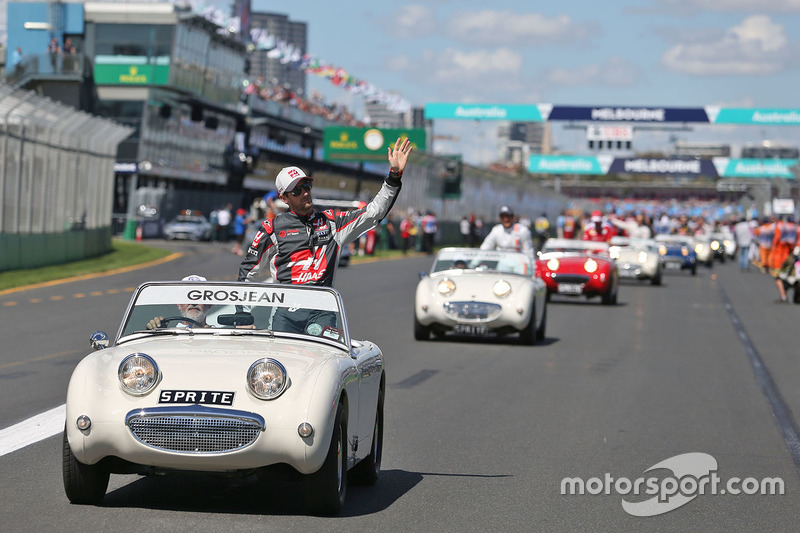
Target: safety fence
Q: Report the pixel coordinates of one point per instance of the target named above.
(56, 181)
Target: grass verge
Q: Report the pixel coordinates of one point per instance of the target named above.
(123, 254)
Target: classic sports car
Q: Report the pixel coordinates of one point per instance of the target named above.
(703, 250)
(636, 259)
(579, 268)
(677, 252)
(234, 378)
(480, 293)
(188, 225)
(721, 246)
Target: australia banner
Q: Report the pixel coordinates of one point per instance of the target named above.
(627, 114)
(716, 167)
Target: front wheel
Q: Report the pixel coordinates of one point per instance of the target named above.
(609, 298)
(527, 336)
(421, 333)
(84, 484)
(367, 471)
(326, 488)
(540, 331)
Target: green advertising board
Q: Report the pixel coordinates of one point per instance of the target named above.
(131, 70)
(366, 144)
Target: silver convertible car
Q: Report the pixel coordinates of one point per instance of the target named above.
(481, 293)
(228, 378)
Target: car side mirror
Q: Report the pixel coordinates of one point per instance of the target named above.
(98, 340)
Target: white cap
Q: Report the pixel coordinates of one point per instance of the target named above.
(288, 177)
(194, 277)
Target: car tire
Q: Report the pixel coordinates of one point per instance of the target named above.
(84, 484)
(540, 331)
(421, 333)
(325, 489)
(694, 270)
(656, 280)
(527, 335)
(367, 471)
(609, 298)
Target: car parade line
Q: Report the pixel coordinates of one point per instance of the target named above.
(32, 430)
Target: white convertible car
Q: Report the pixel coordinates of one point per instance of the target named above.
(234, 378)
(637, 259)
(481, 293)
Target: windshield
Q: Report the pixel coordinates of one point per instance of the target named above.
(208, 307)
(471, 259)
(577, 247)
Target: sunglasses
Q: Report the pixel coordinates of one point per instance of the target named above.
(297, 191)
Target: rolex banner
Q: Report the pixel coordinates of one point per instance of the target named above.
(366, 144)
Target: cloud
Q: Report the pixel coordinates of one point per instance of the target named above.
(615, 72)
(506, 28)
(465, 76)
(411, 22)
(456, 67)
(755, 47)
(692, 7)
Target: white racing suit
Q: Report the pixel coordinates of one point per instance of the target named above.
(517, 238)
(305, 249)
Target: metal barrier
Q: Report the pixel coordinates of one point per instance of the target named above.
(56, 178)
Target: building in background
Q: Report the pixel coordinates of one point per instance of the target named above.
(701, 149)
(517, 140)
(290, 33)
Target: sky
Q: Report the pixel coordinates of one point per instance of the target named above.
(671, 53)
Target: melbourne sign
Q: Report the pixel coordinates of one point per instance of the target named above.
(721, 167)
(366, 144)
(629, 114)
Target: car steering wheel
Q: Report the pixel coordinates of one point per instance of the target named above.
(165, 320)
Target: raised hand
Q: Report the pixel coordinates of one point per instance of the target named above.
(398, 156)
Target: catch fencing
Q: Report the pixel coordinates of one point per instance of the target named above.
(56, 181)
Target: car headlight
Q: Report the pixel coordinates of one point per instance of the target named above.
(698, 248)
(138, 374)
(643, 257)
(590, 265)
(727, 244)
(715, 246)
(662, 250)
(446, 287)
(501, 289)
(266, 379)
(684, 250)
(552, 264)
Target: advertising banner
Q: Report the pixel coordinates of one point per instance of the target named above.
(626, 114)
(366, 144)
(755, 168)
(569, 164)
(722, 167)
(518, 113)
(131, 70)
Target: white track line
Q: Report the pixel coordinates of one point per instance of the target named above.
(33, 430)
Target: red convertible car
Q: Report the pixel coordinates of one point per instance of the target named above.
(578, 268)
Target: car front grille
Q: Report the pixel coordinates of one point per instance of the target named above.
(472, 310)
(195, 429)
(570, 278)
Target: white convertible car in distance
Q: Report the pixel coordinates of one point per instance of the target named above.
(481, 293)
(238, 377)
